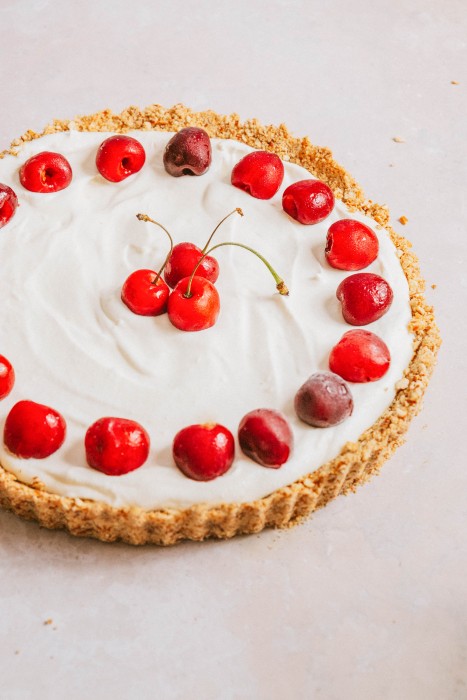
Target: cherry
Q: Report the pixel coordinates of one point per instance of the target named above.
(116, 446)
(185, 257)
(194, 304)
(204, 452)
(33, 430)
(308, 201)
(188, 152)
(323, 400)
(360, 356)
(46, 172)
(119, 156)
(7, 377)
(365, 297)
(350, 245)
(145, 293)
(259, 173)
(265, 436)
(183, 260)
(8, 204)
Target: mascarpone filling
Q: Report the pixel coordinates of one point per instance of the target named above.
(76, 347)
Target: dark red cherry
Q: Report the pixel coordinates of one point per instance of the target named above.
(265, 436)
(323, 400)
(188, 152)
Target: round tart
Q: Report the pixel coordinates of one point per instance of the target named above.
(76, 347)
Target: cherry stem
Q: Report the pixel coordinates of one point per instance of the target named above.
(237, 210)
(145, 217)
(280, 284)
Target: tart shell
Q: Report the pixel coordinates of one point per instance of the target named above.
(356, 463)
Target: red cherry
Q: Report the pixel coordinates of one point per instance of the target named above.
(183, 260)
(145, 294)
(259, 173)
(204, 452)
(188, 152)
(265, 436)
(33, 430)
(323, 400)
(119, 156)
(46, 172)
(116, 446)
(197, 311)
(365, 297)
(360, 356)
(350, 245)
(8, 204)
(7, 377)
(308, 201)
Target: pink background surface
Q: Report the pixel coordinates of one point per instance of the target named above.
(367, 598)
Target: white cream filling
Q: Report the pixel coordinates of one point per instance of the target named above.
(76, 347)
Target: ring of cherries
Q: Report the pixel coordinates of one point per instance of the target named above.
(116, 446)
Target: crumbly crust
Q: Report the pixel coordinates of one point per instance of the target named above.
(356, 463)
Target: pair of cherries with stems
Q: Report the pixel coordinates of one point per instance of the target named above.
(194, 303)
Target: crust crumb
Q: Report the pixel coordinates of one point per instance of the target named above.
(398, 139)
(403, 220)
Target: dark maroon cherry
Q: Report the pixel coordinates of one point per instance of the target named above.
(265, 436)
(188, 152)
(323, 400)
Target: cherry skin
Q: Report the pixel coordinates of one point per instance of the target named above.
(183, 260)
(308, 201)
(265, 436)
(7, 377)
(350, 245)
(198, 311)
(33, 430)
(116, 446)
(324, 400)
(204, 452)
(259, 173)
(8, 204)
(120, 156)
(365, 297)
(46, 172)
(188, 152)
(360, 356)
(145, 293)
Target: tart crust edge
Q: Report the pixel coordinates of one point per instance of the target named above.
(357, 461)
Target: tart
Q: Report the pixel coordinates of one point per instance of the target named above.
(75, 346)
